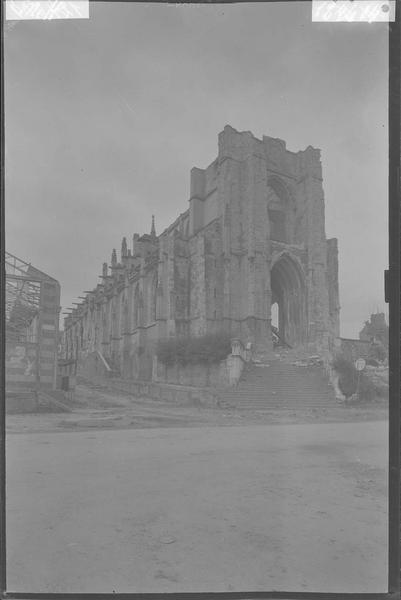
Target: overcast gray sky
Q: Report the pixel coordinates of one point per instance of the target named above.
(105, 118)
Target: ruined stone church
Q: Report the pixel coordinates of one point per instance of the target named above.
(251, 244)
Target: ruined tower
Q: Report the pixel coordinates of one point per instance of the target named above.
(270, 204)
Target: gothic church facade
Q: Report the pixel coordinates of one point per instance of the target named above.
(252, 243)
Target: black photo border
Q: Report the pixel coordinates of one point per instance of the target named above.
(392, 296)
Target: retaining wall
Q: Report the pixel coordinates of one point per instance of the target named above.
(177, 394)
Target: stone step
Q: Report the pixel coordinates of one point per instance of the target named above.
(279, 401)
(276, 384)
(274, 394)
(275, 405)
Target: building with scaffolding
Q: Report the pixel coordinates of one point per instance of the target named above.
(249, 257)
(32, 333)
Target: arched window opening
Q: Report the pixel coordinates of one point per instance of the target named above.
(278, 228)
(274, 315)
(278, 207)
(136, 307)
(275, 323)
(125, 317)
(153, 299)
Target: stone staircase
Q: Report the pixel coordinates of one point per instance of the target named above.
(283, 381)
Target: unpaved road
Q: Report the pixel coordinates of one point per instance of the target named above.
(256, 507)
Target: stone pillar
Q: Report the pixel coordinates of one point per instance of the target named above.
(235, 365)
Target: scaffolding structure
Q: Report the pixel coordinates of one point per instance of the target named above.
(22, 300)
(32, 306)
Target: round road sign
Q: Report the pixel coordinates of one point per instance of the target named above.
(360, 364)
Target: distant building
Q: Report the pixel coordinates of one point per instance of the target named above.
(252, 238)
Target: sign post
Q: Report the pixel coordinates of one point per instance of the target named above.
(360, 364)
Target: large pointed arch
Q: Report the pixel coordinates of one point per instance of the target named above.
(288, 286)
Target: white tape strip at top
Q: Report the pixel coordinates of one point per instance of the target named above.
(353, 11)
(22, 10)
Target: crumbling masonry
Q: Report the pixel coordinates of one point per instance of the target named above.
(252, 237)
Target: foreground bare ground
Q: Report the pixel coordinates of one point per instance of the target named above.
(130, 498)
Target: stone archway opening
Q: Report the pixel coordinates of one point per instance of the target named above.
(275, 323)
(288, 303)
(275, 315)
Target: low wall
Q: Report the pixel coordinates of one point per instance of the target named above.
(189, 384)
(225, 373)
(177, 394)
(189, 375)
(21, 402)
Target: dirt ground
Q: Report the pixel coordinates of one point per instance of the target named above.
(135, 496)
(96, 408)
